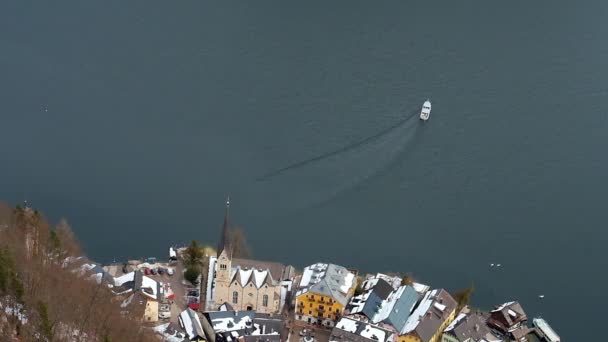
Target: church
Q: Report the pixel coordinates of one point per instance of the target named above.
(245, 284)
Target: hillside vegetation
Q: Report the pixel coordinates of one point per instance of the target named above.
(43, 297)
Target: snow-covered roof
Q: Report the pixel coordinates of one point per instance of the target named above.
(502, 306)
(366, 330)
(454, 322)
(329, 280)
(153, 285)
(191, 323)
(422, 308)
(255, 276)
(239, 321)
(441, 307)
(119, 281)
(420, 288)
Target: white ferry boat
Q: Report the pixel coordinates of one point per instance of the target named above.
(426, 110)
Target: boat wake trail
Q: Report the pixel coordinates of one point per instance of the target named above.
(340, 150)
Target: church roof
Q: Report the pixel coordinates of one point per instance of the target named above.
(276, 269)
(224, 242)
(258, 277)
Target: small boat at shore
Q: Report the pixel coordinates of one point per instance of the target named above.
(426, 110)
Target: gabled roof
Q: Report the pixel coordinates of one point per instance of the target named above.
(472, 326)
(254, 276)
(399, 306)
(136, 281)
(328, 280)
(352, 330)
(507, 315)
(380, 303)
(191, 323)
(433, 310)
(232, 325)
(375, 292)
(275, 268)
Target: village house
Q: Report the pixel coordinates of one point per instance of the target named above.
(243, 283)
(470, 327)
(137, 291)
(191, 323)
(430, 318)
(323, 293)
(379, 303)
(351, 330)
(510, 319)
(246, 326)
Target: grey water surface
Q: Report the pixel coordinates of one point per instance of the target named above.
(134, 119)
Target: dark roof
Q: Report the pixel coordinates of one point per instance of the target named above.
(197, 329)
(267, 324)
(225, 238)
(473, 325)
(434, 317)
(507, 315)
(275, 268)
(339, 334)
(374, 298)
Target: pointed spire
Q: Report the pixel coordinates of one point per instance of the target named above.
(225, 239)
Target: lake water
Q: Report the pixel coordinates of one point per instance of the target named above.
(135, 120)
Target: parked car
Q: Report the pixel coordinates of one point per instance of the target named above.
(303, 332)
(170, 271)
(164, 307)
(153, 271)
(161, 271)
(146, 271)
(164, 314)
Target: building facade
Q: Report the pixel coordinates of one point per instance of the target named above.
(323, 293)
(243, 283)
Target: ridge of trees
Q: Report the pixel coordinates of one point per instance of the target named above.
(49, 301)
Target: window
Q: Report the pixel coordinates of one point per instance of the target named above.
(265, 300)
(222, 266)
(310, 312)
(337, 311)
(311, 305)
(235, 297)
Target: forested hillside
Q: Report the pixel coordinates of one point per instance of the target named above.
(43, 297)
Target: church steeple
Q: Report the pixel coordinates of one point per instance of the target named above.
(224, 242)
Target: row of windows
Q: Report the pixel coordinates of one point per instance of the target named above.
(321, 298)
(320, 315)
(322, 307)
(235, 298)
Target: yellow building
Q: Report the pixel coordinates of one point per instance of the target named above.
(434, 313)
(323, 293)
